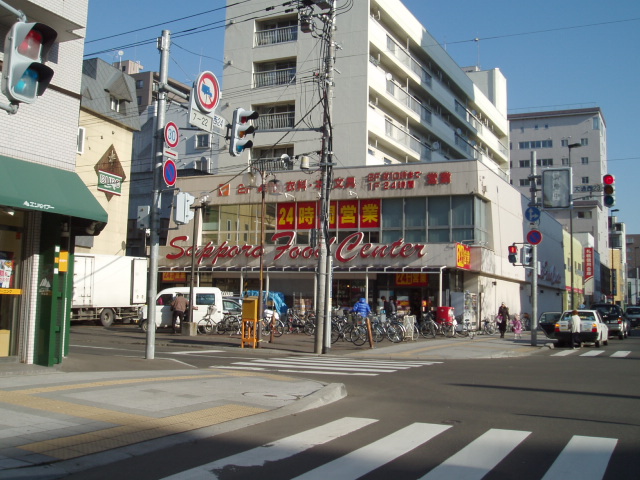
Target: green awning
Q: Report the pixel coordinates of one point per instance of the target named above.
(46, 189)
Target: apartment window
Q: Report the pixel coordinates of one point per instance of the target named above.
(525, 182)
(584, 160)
(535, 127)
(115, 104)
(275, 116)
(279, 31)
(521, 129)
(274, 73)
(584, 142)
(203, 140)
(139, 100)
(585, 180)
(525, 163)
(586, 215)
(596, 123)
(139, 83)
(565, 161)
(202, 164)
(535, 144)
(544, 162)
(564, 142)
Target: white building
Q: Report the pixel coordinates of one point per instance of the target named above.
(398, 96)
(550, 133)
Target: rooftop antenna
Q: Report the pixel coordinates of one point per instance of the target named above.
(477, 40)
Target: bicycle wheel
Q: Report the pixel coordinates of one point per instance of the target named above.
(278, 329)
(428, 330)
(378, 333)
(395, 333)
(205, 326)
(450, 330)
(463, 332)
(309, 328)
(359, 335)
(335, 333)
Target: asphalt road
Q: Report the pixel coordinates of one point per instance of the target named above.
(564, 416)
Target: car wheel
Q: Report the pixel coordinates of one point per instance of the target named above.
(621, 336)
(605, 342)
(560, 344)
(597, 344)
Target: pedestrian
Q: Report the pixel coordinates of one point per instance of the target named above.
(517, 327)
(574, 325)
(503, 318)
(379, 305)
(179, 306)
(361, 308)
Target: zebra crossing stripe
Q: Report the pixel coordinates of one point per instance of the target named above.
(287, 364)
(622, 353)
(592, 353)
(563, 353)
(584, 458)
(477, 459)
(368, 458)
(278, 450)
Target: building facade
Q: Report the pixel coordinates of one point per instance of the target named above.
(44, 204)
(398, 99)
(576, 139)
(397, 230)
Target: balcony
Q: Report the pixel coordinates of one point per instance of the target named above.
(272, 78)
(272, 164)
(276, 35)
(272, 121)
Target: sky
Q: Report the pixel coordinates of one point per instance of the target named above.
(554, 54)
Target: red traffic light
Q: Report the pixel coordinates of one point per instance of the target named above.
(513, 249)
(608, 179)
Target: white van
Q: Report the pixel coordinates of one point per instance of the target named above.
(208, 301)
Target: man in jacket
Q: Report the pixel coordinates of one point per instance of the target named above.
(361, 308)
(179, 306)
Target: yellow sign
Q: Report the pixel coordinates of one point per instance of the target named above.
(63, 262)
(10, 291)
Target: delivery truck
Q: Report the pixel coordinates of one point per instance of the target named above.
(108, 288)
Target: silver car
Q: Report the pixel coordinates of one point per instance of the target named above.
(633, 315)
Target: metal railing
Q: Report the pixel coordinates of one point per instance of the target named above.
(276, 35)
(270, 121)
(274, 77)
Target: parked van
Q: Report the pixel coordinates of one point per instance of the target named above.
(208, 302)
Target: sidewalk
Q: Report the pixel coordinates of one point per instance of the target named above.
(76, 416)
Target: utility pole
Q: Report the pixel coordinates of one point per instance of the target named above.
(534, 257)
(324, 272)
(164, 43)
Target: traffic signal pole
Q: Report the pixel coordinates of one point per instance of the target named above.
(164, 43)
(534, 257)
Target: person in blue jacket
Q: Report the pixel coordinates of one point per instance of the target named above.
(361, 307)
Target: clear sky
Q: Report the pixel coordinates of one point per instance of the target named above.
(554, 54)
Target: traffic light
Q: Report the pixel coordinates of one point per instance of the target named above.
(609, 181)
(513, 254)
(526, 255)
(24, 74)
(240, 129)
(182, 213)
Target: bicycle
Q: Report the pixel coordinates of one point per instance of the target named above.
(465, 329)
(207, 325)
(488, 327)
(229, 323)
(272, 323)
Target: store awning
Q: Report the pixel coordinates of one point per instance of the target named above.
(46, 189)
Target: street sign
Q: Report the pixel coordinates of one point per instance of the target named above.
(206, 92)
(171, 135)
(588, 188)
(171, 153)
(204, 121)
(169, 172)
(534, 237)
(532, 214)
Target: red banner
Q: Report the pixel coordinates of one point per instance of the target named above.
(306, 215)
(370, 213)
(588, 263)
(348, 213)
(286, 216)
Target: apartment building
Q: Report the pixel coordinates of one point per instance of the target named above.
(575, 138)
(398, 98)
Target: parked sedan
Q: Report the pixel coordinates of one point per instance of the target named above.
(614, 318)
(592, 329)
(633, 315)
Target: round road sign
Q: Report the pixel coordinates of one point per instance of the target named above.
(171, 135)
(170, 172)
(207, 92)
(534, 237)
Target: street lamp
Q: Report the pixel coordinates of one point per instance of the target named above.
(571, 146)
(204, 201)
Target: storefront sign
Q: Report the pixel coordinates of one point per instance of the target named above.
(463, 256)
(109, 183)
(351, 248)
(174, 277)
(588, 263)
(412, 280)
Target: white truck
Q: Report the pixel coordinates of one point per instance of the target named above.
(107, 288)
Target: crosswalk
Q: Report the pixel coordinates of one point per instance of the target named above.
(326, 365)
(592, 353)
(583, 457)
